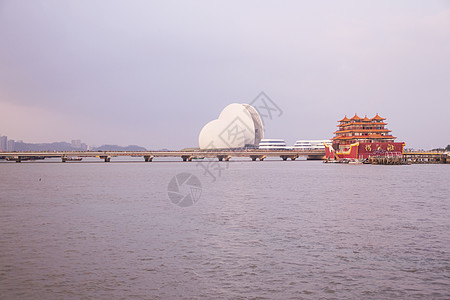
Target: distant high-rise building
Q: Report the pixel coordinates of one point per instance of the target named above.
(3, 143)
(10, 145)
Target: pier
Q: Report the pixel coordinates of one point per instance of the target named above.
(410, 158)
(422, 157)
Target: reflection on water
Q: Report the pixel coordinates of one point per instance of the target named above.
(265, 230)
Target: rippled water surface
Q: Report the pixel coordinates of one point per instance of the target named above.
(261, 230)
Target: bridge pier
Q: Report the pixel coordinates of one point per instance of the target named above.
(292, 157)
(17, 159)
(222, 157)
(187, 157)
(260, 157)
(148, 158)
(106, 158)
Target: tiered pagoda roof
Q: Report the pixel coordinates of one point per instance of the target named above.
(345, 119)
(355, 118)
(364, 130)
(377, 117)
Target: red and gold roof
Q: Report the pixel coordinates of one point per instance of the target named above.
(377, 117)
(345, 119)
(355, 117)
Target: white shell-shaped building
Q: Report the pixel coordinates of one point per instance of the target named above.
(238, 126)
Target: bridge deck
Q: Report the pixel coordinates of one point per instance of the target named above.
(149, 155)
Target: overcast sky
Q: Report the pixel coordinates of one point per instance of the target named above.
(153, 73)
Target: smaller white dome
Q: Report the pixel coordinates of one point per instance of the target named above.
(213, 136)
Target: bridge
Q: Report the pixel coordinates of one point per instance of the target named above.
(148, 156)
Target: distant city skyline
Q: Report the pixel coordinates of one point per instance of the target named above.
(154, 73)
(8, 144)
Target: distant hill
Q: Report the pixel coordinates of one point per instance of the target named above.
(118, 148)
(191, 149)
(442, 149)
(64, 146)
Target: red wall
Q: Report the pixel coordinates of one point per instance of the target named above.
(379, 149)
(364, 150)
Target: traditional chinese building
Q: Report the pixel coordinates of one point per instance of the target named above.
(359, 138)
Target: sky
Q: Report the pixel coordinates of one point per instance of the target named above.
(153, 73)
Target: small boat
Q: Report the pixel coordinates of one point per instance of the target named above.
(331, 161)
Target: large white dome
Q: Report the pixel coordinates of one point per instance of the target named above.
(238, 125)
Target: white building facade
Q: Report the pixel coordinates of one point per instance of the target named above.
(307, 145)
(273, 144)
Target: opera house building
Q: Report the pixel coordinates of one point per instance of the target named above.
(238, 126)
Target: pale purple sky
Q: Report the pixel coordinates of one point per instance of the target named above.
(153, 73)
